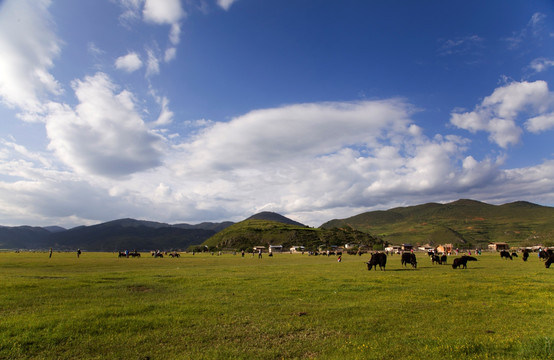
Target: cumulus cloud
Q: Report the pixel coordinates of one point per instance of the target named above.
(28, 45)
(104, 134)
(163, 11)
(540, 123)
(310, 158)
(499, 112)
(129, 63)
(302, 130)
(225, 4)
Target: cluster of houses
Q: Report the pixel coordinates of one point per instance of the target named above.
(444, 248)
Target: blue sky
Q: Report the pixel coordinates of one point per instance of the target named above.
(213, 110)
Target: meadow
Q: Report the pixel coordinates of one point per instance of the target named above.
(289, 306)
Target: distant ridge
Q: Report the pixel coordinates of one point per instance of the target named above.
(272, 216)
(113, 235)
(463, 222)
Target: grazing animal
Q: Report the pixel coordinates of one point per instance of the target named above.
(174, 255)
(549, 261)
(444, 258)
(505, 254)
(514, 254)
(409, 258)
(462, 262)
(545, 254)
(525, 255)
(134, 254)
(436, 259)
(377, 259)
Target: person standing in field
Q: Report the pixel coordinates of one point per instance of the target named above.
(78, 253)
(50, 255)
(260, 254)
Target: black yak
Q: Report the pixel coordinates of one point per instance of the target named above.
(436, 259)
(525, 255)
(462, 262)
(377, 259)
(505, 254)
(409, 258)
(444, 258)
(549, 261)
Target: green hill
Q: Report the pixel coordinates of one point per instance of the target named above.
(251, 232)
(462, 222)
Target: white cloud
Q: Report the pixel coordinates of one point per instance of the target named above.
(532, 29)
(170, 54)
(28, 46)
(131, 10)
(104, 135)
(163, 11)
(225, 4)
(541, 64)
(540, 123)
(175, 33)
(152, 64)
(303, 130)
(130, 62)
(166, 115)
(499, 112)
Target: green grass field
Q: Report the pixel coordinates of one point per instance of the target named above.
(289, 306)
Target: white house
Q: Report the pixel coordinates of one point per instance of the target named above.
(276, 248)
(296, 249)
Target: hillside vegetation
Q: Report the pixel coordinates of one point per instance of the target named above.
(251, 232)
(463, 222)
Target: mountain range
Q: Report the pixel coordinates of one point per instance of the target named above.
(463, 222)
(110, 236)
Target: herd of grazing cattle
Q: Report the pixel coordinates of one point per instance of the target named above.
(380, 259)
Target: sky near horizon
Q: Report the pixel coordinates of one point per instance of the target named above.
(213, 110)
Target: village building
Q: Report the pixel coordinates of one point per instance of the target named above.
(275, 248)
(297, 249)
(258, 248)
(351, 246)
(497, 246)
(407, 247)
(426, 247)
(393, 249)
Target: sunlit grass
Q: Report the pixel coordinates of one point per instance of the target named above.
(288, 306)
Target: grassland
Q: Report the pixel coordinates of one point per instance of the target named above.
(289, 306)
